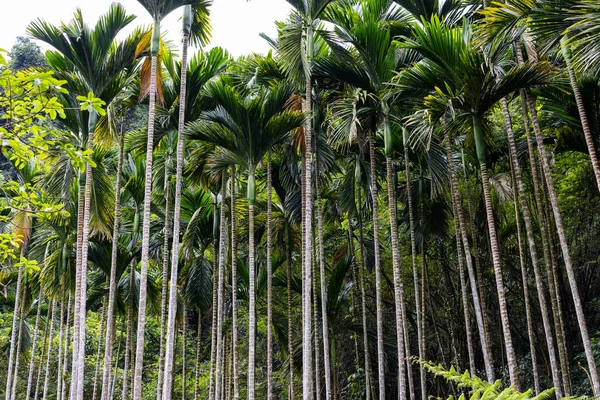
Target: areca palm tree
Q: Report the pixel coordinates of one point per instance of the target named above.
(247, 127)
(451, 61)
(195, 27)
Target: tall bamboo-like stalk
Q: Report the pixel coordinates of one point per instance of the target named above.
(215, 276)
(61, 344)
(165, 288)
(184, 353)
(198, 356)
(15, 378)
(13, 334)
(289, 262)
(99, 341)
(129, 333)
(63, 393)
(49, 354)
(43, 354)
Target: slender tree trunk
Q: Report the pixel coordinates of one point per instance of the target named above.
(184, 353)
(49, 354)
(220, 291)
(176, 219)
(369, 384)
(18, 350)
(523, 264)
(587, 133)
(378, 283)
(321, 253)
(315, 330)
(77, 298)
(307, 277)
(141, 325)
(61, 346)
(43, 355)
(98, 358)
(459, 218)
(128, 340)
(164, 292)
(413, 249)
(213, 336)
(564, 246)
(82, 311)
(33, 346)
(409, 372)
(13, 351)
(521, 203)
(289, 261)
(198, 357)
(113, 383)
(251, 302)
(495, 249)
(109, 339)
(63, 394)
(269, 282)
(234, 329)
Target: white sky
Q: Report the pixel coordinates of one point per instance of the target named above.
(236, 23)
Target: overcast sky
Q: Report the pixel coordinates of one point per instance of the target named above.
(236, 23)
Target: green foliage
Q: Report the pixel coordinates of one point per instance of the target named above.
(25, 54)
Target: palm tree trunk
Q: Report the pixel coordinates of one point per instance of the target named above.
(587, 133)
(289, 262)
(82, 313)
(269, 282)
(369, 384)
(43, 355)
(459, 218)
(176, 213)
(413, 248)
(13, 351)
(198, 356)
(112, 291)
(234, 329)
(128, 340)
(141, 325)
(307, 277)
(61, 346)
(315, 330)
(63, 393)
(564, 245)
(220, 291)
(113, 384)
(49, 354)
(378, 284)
(521, 203)
(18, 350)
(523, 264)
(251, 302)
(213, 336)
(98, 358)
(495, 249)
(321, 253)
(184, 353)
(34, 345)
(77, 298)
(164, 292)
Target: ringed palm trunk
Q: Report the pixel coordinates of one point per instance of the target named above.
(564, 245)
(251, 284)
(17, 356)
(220, 294)
(184, 354)
(460, 225)
(324, 319)
(59, 380)
(63, 393)
(43, 355)
(198, 356)
(49, 354)
(141, 325)
(289, 261)
(307, 386)
(98, 358)
(168, 368)
(110, 318)
(33, 346)
(269, 283)
(234, 328)
(129, 333)
(495, 249)
(13, 352)
(521, 203)
(413, 249)
(213, 336)
(164, 291)
(587, 133)
(369, 384)
(378, 283)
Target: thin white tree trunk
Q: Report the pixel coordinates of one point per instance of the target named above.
(251, 303)
(63, 393)
(198, 356)
(13, 351)
(33, 346)
(77, 295)
(98, 358)
(49, 354)
(220, 291)
(269, 283)
(43, 355)
(15, 379)
(110, 318)
(290, 324)
(234, 307)
(164, 292)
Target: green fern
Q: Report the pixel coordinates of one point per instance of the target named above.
(479, 389)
